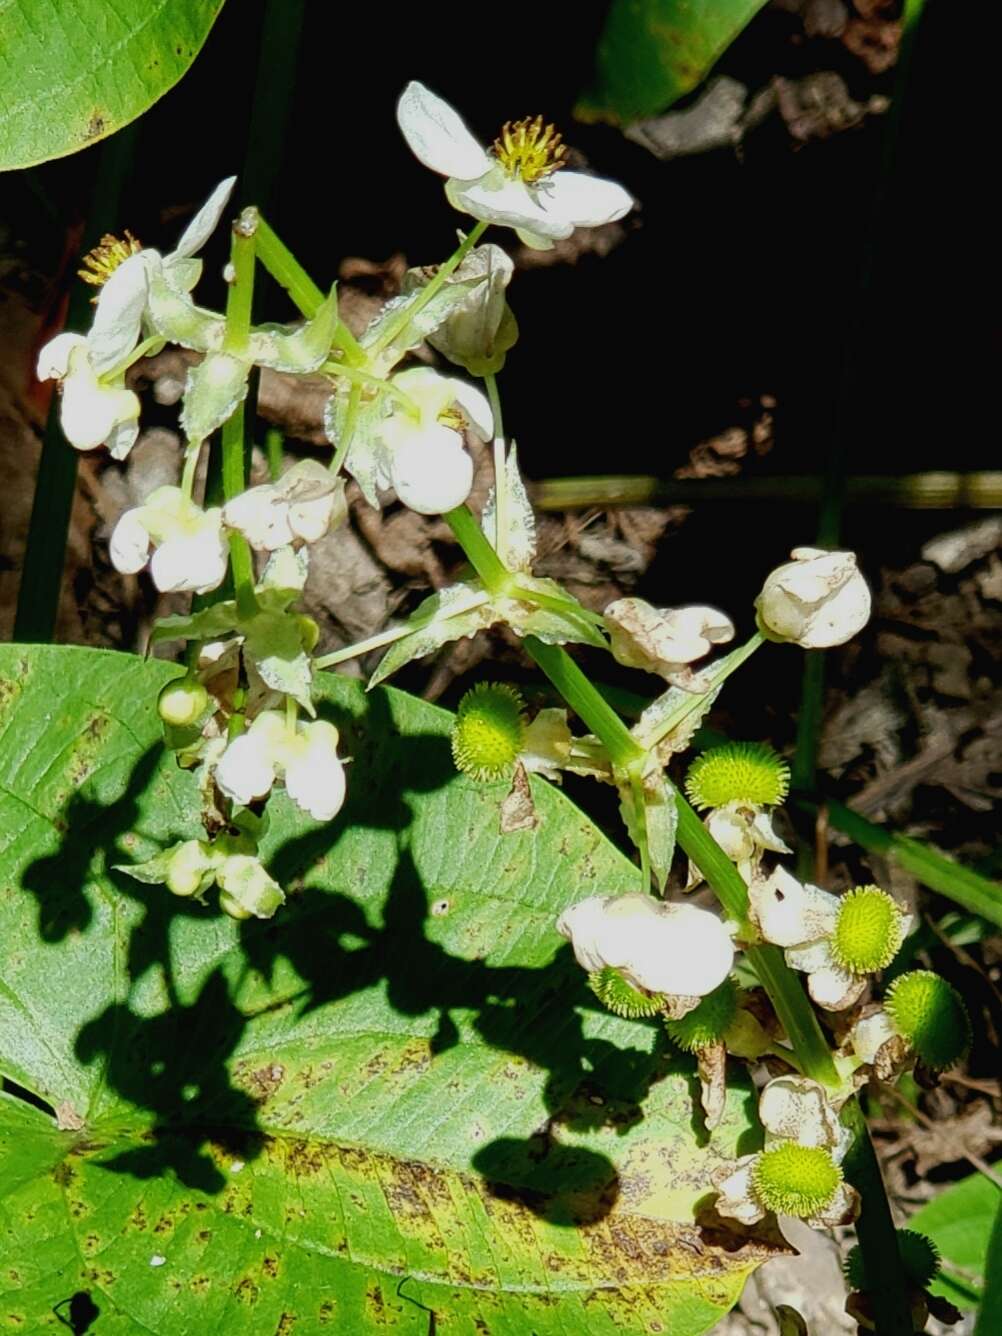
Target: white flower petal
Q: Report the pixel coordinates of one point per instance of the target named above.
(842, 1210)
(736, 1199)
(732, 832)
(130, 543)
(119, 312)
(122, 438)
(834, 988)
(54, 356)
(437, 135)
(675, 949)
(810, 956)
(870, 1034)
(246, 769)
(586, 201)
(314, 774)
(475, 408)
(794, 1108)
(766, 836)
(533, 239)
(496, 197)
(202, 226)
(90, 411)
(431, 471)
(193, 562)
(790, 914)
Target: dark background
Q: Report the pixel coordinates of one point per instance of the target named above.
(740, 274)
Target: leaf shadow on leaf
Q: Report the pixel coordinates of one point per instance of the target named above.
(532, 1013)
(174, 1065)
(58, 879)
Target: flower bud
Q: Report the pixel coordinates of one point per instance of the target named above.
(431, 471)
(817, 600)
(182, 702)
(478, 333)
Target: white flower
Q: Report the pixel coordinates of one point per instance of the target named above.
(817, 600)
(792, 1109)
(128, 290)
(803, 920)
(516, 183)
(305, 756)
(662, 948)
(664, 640)
(190, 549)
(301, 505)
(744, 831)
(95, 407)
(421, 456)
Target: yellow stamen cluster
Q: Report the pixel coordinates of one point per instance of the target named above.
(530, 149)
(100, 263)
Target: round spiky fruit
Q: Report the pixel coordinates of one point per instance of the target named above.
(706, 1024)
(796, 1180)
(868, 931)
(613, 991)
(930, 1014)
(919, 1258)
(748, 772)
(489, 731)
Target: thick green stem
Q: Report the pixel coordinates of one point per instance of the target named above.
(239, 301)
(483, 558)
(307, 297)
(878, 1238)
(428, 291)
(624, 751)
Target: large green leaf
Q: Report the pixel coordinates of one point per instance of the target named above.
(397, 1096)
(74, 71)
(959, 1221)
(652, 52)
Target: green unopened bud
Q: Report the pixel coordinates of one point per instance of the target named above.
(796, 1180)
(868, 931)
(747, 772)
(246, 889)
(190, 869)
(489, 731)
(919, 1259)
(707, 1023)
(929, 1013)
(613, 991)
(232, 906)
(182, 702)
(309, 633)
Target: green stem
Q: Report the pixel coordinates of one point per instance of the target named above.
(306, 296)
(274, 448)
(932, 490)
(483, 558)
(785, 993)
(624, 751)
(428, 291)
(556, 603)
(348, 431)
(500, 471)
(377, 383)
(978, 894)
(878, 1239)
(239, 301)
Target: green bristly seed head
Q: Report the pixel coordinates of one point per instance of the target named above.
(930, 1015)
(489, 731)
(621, 997)
(919, 1260)
(706, 1023)
(868, 931)
(748, 772)
(796, 1180)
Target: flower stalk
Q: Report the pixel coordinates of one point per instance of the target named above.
(239, 301)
